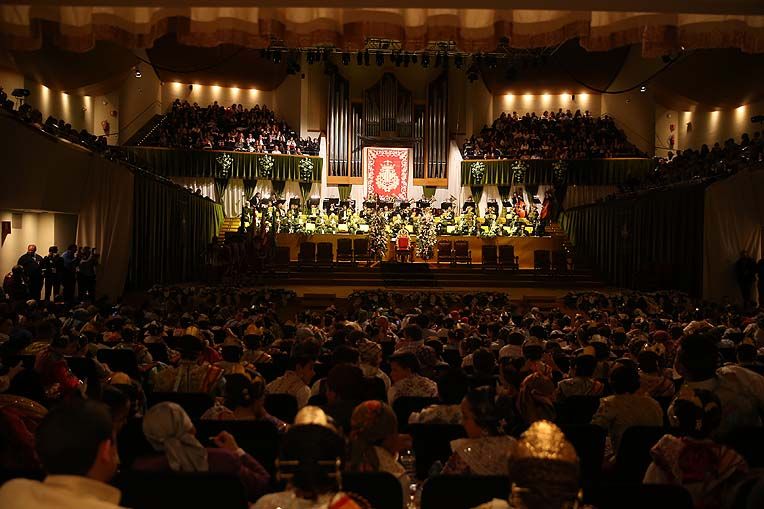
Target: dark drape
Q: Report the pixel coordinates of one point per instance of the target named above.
(278, 187)
(541, 171)
(208, 163)
(249, 188)
(649, 242)
(428, 192)
(221, 184)
(504, 192)
(171, 231)
(305, 188)
(344, 191)
(477, 193)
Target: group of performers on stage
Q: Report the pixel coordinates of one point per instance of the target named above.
(512, 218)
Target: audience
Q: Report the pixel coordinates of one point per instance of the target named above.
(217, 127)
(551, 135)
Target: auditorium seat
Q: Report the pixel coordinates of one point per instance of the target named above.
(633, 456)
(576, 410)
(259, 438)
(462, 492)
(406, 405)
(269, 370)
(361, 249)
(280, 262)
(120, 359)
(194, 403)
(462, 253)
(639, 496)
(381, 489)
(507, 258)
(490, 260)
(445, 252)
(344, 250)
(132, 443)
(432, 442)
(589, 442)
(283, 406)
(160, 490)
(158, 352)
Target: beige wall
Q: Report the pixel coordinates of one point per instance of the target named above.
(208, 94)
(287, 101)
(711, 126)
(9, 80)
(533, 101)
(139, 100)
(44, 229)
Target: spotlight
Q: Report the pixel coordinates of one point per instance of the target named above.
(346, 58)
(137, 72)
(643, 88)
(380, 58)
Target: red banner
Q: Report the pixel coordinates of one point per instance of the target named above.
(387, 172)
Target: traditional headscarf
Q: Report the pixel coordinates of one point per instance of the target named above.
(535, 400)
(168, 429)
(371, 423)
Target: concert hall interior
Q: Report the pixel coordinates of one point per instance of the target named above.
(382, 254)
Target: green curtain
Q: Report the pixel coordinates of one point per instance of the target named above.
(249, 188)
(278, 187)
(477, 193)
(221, 184)
(504, 192)
(654, 241)
(171, 231)
(305, 188)
(344, 190)
(208, 163)
(428, 192)
(541, 171)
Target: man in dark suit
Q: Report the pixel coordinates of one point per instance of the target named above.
(32, 264)
(52, 269)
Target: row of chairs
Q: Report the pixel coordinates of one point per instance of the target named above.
(322, 253)
(454, 252)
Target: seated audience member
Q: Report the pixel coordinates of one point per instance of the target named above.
(625, 408)
(544, 472)
(747, 356)
(308, 459)
(19, 419)
(170, 431)
(374, 442)
(253, 342)
(486, 449)
(190, 375)
(342, 354)
(344, 391)
(55, 375)
(404, 373)
(709, 471)
(232, 352)
(452, 387)
(412, 339)
(535, 399)
(581, 382)
(243, 399)
(740, 390)
(371, 357)
(75, 444)
(654, 381)
(484, 366)
(296, 379)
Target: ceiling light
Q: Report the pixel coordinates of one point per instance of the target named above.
(643, 88)
(138, 73)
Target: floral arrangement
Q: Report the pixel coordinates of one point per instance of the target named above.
(560, 172)
(426, 238)
(225, 161)
(266, 166)
(519, 169)
(379, 238)
(477, 170)
(306, 170)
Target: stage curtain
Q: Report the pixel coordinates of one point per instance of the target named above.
(541, 171)
(278, 188)
(209, 163)
(659, 29)
(344, 191)
(575, 196)
(504, 192)
(734, 218)
(221, 184)
(428, 192)
(649, 242)
(249, 188)
(171, 231)
(477, 193)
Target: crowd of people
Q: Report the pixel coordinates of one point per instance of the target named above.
(217, 127)
(505, 372)
(551, 135)
(64, 276)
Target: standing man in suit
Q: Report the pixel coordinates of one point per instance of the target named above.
(32, 264)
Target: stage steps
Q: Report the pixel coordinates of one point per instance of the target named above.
(230, 225)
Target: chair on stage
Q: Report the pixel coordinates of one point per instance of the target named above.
(344, 250)
(559, 261)
(361, 249)
(462, 253)
(325, 255)
(307, 254)
(280, 262)
(403, 249)
(507, 258)
(445, 251)
(541, 260)
(490, 260)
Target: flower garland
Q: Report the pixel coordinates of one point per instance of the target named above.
(225, 161)
(306, 170)
(518, 172)
(560, 175)
(426, 238)
(266, 166)
(477, 170)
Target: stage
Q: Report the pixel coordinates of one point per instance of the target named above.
(524, 246)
